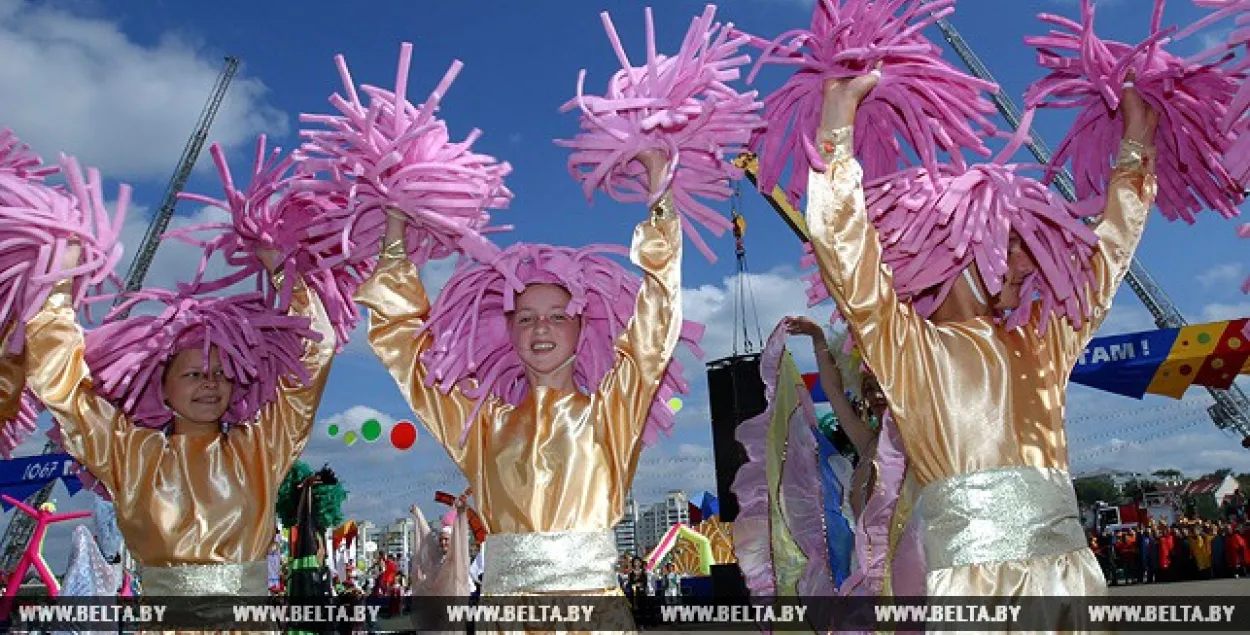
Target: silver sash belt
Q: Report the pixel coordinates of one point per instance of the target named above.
(245, 578)
(999, 516)
(518, 564)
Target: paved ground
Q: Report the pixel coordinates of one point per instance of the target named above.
(1213, 588)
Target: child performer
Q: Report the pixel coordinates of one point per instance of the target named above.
(980, 406)
(550, 473)
(148, 404)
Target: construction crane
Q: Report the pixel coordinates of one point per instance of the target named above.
(22, 527)
(1231, 410)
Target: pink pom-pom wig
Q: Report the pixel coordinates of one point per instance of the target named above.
(1192, 97)
(288, 214)
(258, 347)
(921, 100)
(933, 227)
(680, 105)
(393, 154)
(37, 223)
(468, 323)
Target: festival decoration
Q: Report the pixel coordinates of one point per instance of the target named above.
(1166, 361)
(403, 435)
(1191, 96)
(23, 476)
(468, 325)
(681, 105)
(274, 211)
(777, 535)
(37, 224)
(328, 497)
(33, 555)
(475, 520)
(394, 155)
(681, 530)
(371, 430)
(258, 347)
(920, 101)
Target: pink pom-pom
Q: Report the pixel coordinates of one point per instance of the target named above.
(468, 325)
(679, 105)
(258, 347)
(14, 432)
(920, 99)
(37, 222)
(288, 214)
(392, 154)
(1191, 97)
(1237, 119)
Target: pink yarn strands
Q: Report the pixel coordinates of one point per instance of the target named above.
(1191, 97)
(392, 154)
(468, 325)
(680, 105)
(37, 223)
(258, 347)
(920, 101)
(285, 213)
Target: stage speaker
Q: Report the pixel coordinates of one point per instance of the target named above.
(737, 394)
(727, 582)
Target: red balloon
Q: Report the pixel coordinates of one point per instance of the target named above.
(403, 435)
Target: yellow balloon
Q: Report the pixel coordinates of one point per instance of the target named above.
(350, 438)
(675, 404)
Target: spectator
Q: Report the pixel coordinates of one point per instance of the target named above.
(1147, 555)
(1235, 553)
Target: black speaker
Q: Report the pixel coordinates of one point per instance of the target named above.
(737, 394)
(727, 582)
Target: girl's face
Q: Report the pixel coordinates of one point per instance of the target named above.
(544, 334)
(197, 392)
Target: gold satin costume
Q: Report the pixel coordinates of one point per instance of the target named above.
(971, 398)
(559, 461)
(12, 380)
(181, 499)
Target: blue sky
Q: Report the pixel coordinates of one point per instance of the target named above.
(120, 84)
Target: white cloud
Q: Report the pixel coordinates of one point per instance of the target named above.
(1228, 274)
(1216, 312)
(773, 295)
(87, 89)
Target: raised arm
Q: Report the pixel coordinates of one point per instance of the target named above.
(846, 245)
(645, 349)
(95, 433)
(1130, 195)
(12, 380)
(831, 381)
(398, 307)
(287, 423)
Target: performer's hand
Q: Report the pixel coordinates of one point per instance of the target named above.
(396, 226)
(656, 163)
(843, 96)
(72, 256)
(803, 325)
(270, 258)
(1140, 120)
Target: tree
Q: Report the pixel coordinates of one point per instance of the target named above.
(1176, 474)
(1097, 488)
(1220, 474)
(327, 499)
(1137, 490)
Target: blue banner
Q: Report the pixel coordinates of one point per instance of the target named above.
(22, 477)
(1124, 364)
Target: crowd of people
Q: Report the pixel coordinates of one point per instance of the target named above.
(1189, 549)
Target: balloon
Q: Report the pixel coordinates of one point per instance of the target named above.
(675, 404)
(403, 435)
(350, 438)
(333, 430)
(828, 425)
(371, 430)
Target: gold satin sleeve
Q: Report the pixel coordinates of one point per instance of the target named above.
(286, 424)
(1130, 194)
(95, 433)
(848, 253)
(12, 380)
(398, 308)
(645, 348)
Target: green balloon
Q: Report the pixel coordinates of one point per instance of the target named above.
(371, 430)
(350, 438)
(333, 430)
(828, 425)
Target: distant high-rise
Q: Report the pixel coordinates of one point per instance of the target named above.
(626, 538)
(658, 518)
